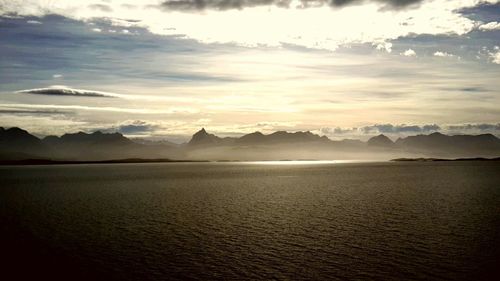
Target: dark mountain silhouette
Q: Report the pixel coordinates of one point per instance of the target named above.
(96, 145)
(280, 137)
(155, 142)
(440, 144)
(103, 146)
(380, 141)
(16, 143)
(350, 142)
(203, 138)
(252, 138)
(94, 139)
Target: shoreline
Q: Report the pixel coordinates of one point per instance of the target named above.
(47, 162)
(44, 162)
(444, 159)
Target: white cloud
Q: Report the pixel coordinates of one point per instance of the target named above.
(387, 46)
(172, 110)
(409, 53)
(59, 90)
(55, 76)
(34, 22)
(316, 27)
(443, 54)
(62, 90)
(490, 26)
(495, 56)
(96, 29)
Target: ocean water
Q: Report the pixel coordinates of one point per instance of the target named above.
(251, 221)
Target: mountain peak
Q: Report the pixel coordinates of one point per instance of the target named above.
(202, 137)
(380, 140)
(17, 129)
(436, 134)
(15, 138)
(201, 132)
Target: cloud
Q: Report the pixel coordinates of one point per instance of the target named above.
(55, 76)
(495, 56)
(65, 91)
(134, 127)
(32, 112)
(396, 129)
(387, 46)
(409, 53)
(96, 29)
(61, 90)
(33, 22)
(425, 129)
(442, 54)
(409, 130)
(337, 131)
(307, 23)
(392, 3)
(194, 5)
(101, 7)
(474, 128)
(17, 106)
(381, 129)
(190, 5)
(490, 26)
(473, 89)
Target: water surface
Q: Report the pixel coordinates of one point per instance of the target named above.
(240, 221)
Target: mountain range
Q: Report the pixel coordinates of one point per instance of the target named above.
(17, 144)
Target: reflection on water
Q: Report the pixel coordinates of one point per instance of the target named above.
(242, 221)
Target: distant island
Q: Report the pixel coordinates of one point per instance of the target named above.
(441, 159)
(19, 146)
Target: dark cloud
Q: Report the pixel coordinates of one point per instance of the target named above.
(193, 5)
(485, 12)
(393, 3)
(475, 127)
(471, 89)
(33, 112)
(337, 131)
(382, 129)
(424, 129)
(396, 129)
(136, 127)
(219, 4)
(66, 92)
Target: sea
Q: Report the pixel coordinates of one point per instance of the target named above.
(287, 220)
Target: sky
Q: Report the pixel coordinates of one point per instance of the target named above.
(163, 69)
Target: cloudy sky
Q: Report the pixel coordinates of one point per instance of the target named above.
(165, 68)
